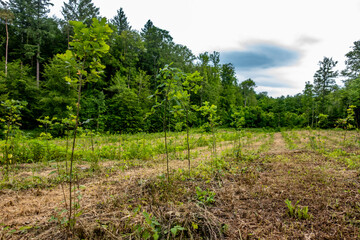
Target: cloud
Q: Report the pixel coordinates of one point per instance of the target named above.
(260, 56)
(268, 64)
(266, 78)
(306, 40)
(278, 91)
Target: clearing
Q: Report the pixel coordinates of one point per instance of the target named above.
(237, 195)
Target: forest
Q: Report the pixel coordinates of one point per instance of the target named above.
(118, 99)
(108, 132)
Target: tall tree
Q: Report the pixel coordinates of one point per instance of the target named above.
(41, 8)
(157, 42)
(352, 62)
(307, 101)
(324, 79)
(7, 16)
(228, 75)
(120, 22)
(30, 18)
(227, 96)
(80, 10)
(23, 12)
(352, 83)
(247, 88)
(205, 72)
(211, 84)
(125, 50)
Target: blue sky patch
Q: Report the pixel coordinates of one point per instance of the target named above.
(260, 56)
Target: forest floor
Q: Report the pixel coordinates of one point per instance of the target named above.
(291, 185)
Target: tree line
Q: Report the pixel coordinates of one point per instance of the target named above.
(34, 72)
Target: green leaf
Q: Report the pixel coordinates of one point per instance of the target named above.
(146, 235)
(156, 236)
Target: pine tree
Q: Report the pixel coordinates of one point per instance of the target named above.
(352, 62)
(30, 18)
(23, 12)
(120, 22)
(308, 103)
(80, 10)
(41, 8)
(7, 16)
(324, 79)
(157, 43)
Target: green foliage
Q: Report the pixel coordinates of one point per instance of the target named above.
(12, 122)
(151, 229)
(205, 196)
(21, 86)
(322, 120)
(174, 230)
(238, 120)
(57, 93)
(209, 112)
(348, 122)
(137, 57)
(125, 110)
(297, 211)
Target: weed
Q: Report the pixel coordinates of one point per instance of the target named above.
(151, 228)
(289, 141)
(296, 211)
(205, 196)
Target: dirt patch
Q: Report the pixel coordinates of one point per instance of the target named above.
(279, 145)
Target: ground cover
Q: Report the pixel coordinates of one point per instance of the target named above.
(288, 185)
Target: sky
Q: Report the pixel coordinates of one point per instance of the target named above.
(276, 43)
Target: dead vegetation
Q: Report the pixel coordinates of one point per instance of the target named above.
(225, 198)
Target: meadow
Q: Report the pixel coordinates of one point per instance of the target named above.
(248, 184)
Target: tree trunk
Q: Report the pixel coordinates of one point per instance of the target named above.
(38, 67)
(68, 36)
(187, 140)
(166, 148)
(7, 46)
(73, 151)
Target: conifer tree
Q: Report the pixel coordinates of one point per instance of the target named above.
(80, 10)
(6, 16)
(30, 21)
(41, 9)
(120, 22)
(157, 43)
(324, 80)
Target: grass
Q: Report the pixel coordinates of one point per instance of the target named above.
(225, 198)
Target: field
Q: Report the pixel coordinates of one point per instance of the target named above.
(298, 184)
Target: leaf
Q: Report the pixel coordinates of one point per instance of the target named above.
(147, 217)
(175, 229)
(156, 236)
(146, 235)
